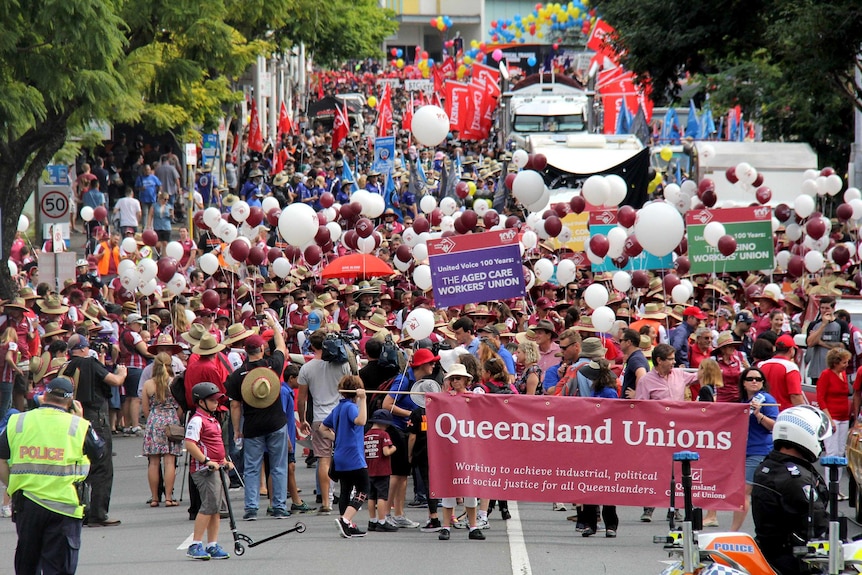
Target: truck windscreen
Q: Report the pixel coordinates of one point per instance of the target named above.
(569, 123)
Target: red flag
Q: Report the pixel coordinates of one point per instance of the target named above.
(285, 126)
(448, 67)
(384, 107)
(456, 104)
(340, 128)
(471, 125)
(407, 122)
(438, 76)
(320, 93)
(489, 75)
(255, 138)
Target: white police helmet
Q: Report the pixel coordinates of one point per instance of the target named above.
(803, 426)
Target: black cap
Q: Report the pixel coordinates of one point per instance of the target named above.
(61, 387)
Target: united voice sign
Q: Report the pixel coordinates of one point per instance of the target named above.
(597, 451)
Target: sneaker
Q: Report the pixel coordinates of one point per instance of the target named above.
(197, 551)
(443, 535)
(404, 523)
(318, 499)
(418, 503)
(269, 511)
(301, 508)
(504, 514)
(136, 430)
(6, 511)
(559, 507)
(281, 513)
(588, 531)
(482, 524)
(677, 515)
(646, 516)
(431, 526)
(610, 533)
(250, 515)
(343, 527)
(216, 552)
(324, 511)
(385, 527)
(372, 525)
(476, 535)
(356, 531)
(461, 521)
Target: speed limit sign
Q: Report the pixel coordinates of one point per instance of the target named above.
(54, 206)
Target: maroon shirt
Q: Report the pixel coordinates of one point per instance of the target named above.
(379, 465)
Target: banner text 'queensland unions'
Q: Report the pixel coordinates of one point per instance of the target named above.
(602, 451)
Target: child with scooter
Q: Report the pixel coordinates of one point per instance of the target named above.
(208, 457)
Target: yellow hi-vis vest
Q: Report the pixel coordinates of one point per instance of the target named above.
(47, 447)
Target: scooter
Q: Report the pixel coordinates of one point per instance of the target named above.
(239, 538)
(737, 553)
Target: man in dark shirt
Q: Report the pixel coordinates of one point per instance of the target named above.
(636, 364)
(373, 375)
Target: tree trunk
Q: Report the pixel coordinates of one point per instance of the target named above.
(28, 156)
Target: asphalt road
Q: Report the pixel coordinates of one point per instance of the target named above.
(536, 539)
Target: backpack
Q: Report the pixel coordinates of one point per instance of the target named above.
(390, 355)
(337, 350)
(377, 399)
(178, 391)
(496, 387)
(570, 387)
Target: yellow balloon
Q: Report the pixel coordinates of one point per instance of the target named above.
(372, 101)
(468, 60)
(666, 153)
(474, 43)
(399, 62)
(472, 187)
(657, 179)
(518, 34)
(540, 34)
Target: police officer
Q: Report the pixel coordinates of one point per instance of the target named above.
(45, 454)
(786, 484)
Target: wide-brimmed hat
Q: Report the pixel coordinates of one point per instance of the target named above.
(26, 293)
(53, 328)
(377, 322)
(194, 334)
(586, 324)
(207, 346)
(592, 348)
(725, 338)
(260, 387)
(423, 356)
(546, 325)
(270, 288)
(458, 369)
(653, 311)
(130, 307)
(237, 333)
(39, 365)
(422, 387)
(645, 343)
(93, 312)
(135, 318)
(229, 200)
(164, 343)
(51, 305)
(54, 368)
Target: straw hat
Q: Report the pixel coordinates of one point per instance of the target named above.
(51, 305)
(458, 369)
(39, 366)
(53, 328)
(237, 333)
(260, 387)
(645, 344)
(653, 311)
(164, 343)
(725, 338)
(207, 346)
(195, 333)
(376, 322)
(93, 312)
(130, 307)
(27, 293)
(423, 386)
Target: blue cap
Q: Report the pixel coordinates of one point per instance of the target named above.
(61, 387)
(78, 341)
(314, 321)
(381, 416)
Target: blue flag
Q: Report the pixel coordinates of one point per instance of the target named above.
(670, 128)
(390, 197)
(707, 124)
(740, 135)
(692, 128)
(733, 134)
(347, 174)
(624, 119)
(420, 171)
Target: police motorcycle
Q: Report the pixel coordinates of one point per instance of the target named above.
(736, 553)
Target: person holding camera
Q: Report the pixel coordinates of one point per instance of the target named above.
(45, 455)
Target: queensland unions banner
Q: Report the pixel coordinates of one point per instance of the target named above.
(601, 451)
(476, 268)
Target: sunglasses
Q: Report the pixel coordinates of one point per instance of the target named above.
(565, 347)
(753, 379)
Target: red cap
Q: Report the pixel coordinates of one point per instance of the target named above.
(544, 303)
(786, 342)
(694, 311)
(254, 341)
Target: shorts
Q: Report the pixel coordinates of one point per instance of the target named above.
(452, 502)
(164, 235)
(130, 385)
(379, 488)
(209, 487)
(752, 462)
(291, 457)
(399, 460)
(321, 446)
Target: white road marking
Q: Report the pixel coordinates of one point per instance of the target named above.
(187, 543)
(517, 546)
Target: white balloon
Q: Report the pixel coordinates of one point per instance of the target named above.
(430, 125)
(603, 318)
(622, 281)
(329, 213)
(617, 239)
(148, 287)
(410, 237)
(529, 239)
(147, 268)
(809, 188)
(23, 223)
(361, 197)
(814, 261)
(239, 211)
(481, 207)
(448, 206)
(246, 231)
(129, 245)
(190, 316)
(420, 253)
(707, 152)
(689, 188)
(212, 217)
(130, 279)
(228, 232)
(617, 188)
(793, 232)
(422, 277)
(803, 206)
(541, 232)
(775, 224)
(746, 173)
(177, 283)
(366, 245)
(810, 174)
(528, 186)
(659, 228)
(566, 271)
(834, 183)
(596, 295)
(672, 193)
(596, 190)
(594, 259)
(712, 232)
(427, 204)
(402, 266)
(529, 279)
(856, 204)
(124, 266)
(773, 289)
(269, 203)
(298, 224)
(376, 206)
(419, 323)
(782, 258)
(541, 204)
(281, 267)
(818, 245)
(208, 263)
(447, 224)
(87, 213)
(849, 194)
(174, 250)
(13, 268)
(680, 294)
(334, 231)
(533, 220)
(520, 158)
(544, 269)
(565, 235)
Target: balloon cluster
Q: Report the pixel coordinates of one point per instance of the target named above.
(441, 23)
(545, 19)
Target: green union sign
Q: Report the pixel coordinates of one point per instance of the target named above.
(750, 227)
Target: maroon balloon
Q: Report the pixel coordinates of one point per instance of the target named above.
(150, 237)
(844, 212)
(600, 245)
(462, 190)
(255, 216)
(783, 213)
(682, 265)
(704, 185)
(621, 261)
(100, 213)
(313, 255)
(508, 182)
(632, 247)
(322, 236)
(640, 279)
(321, 218)
(492, 218)
(421, 225)
(166, 268)
(349, 238)
(513, 222)
(529, 164)
(292, 253)
(726, 245)
(198, 219)
(435, 217)
(578, 204)
(827, 171)
(378, 239)
(561, 209)
(763, 194)
(256, 256)
(272, 216)
(709, 198)
(669, 282)
(540, 162)
(758, 181)
(548, 213)
(469, 218)
(447, 234)
(403, 253)
(461, 227)
(364, 227)
(327, 199)
(796, 266)
(682, 247)
(841, 255)
(327, 247)
(553, 227)
(273, 254)
(815, 228)
(239, 250)
(626, 216)
(730, 174)
(210, 299)
(228, 217)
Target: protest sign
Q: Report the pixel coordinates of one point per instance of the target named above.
(750, 227)
(601, 222)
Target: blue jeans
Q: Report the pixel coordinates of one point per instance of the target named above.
(275, 444)
(5, 398)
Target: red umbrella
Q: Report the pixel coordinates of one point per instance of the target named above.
(356, 266)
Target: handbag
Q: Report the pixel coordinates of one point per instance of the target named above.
(175, 433)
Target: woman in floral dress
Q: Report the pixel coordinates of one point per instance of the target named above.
(160, 409)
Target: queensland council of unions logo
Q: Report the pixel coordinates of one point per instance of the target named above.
(384, 154)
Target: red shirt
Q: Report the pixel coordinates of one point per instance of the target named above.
(379, 465)
(730, 372)
(783, 378)
(832, 394)
(205, 431)
(208, 368)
